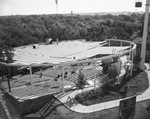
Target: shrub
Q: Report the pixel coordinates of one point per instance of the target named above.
(113, 72)
(81, 82)
(136, 62)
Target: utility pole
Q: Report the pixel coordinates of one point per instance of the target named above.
(143, 49)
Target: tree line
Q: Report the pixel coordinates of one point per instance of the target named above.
(23, 30)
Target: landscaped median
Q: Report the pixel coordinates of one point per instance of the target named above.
(82, 101)
(130, 86)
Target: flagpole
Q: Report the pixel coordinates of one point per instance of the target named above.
(56, 9)
(56, 1)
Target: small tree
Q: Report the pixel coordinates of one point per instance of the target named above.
(136, 62)
(6, 56)
(113, 73)
(81, 82)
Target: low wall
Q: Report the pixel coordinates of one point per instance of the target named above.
(29, 106)
(3, 113)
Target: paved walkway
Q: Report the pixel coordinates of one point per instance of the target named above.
(75, 106)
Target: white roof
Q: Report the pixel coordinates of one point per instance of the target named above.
(63, 52)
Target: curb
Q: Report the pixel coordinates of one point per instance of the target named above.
(5, 111)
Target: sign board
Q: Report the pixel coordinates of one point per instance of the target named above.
(127, 108)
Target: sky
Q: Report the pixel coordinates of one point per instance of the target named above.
(28, 7)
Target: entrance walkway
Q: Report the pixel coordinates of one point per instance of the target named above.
(77, 107)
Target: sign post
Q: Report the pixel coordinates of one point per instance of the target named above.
(127, 108)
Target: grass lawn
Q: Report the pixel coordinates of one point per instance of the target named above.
(47, 83)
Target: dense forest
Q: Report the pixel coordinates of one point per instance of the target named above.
(23, 30)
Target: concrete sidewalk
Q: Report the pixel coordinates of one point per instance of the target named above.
(73, 105)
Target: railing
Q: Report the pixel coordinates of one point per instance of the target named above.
(104, 105)
(131, 50)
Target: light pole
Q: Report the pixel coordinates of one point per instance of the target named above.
(143, 49)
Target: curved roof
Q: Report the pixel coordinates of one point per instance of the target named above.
(65, 51)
